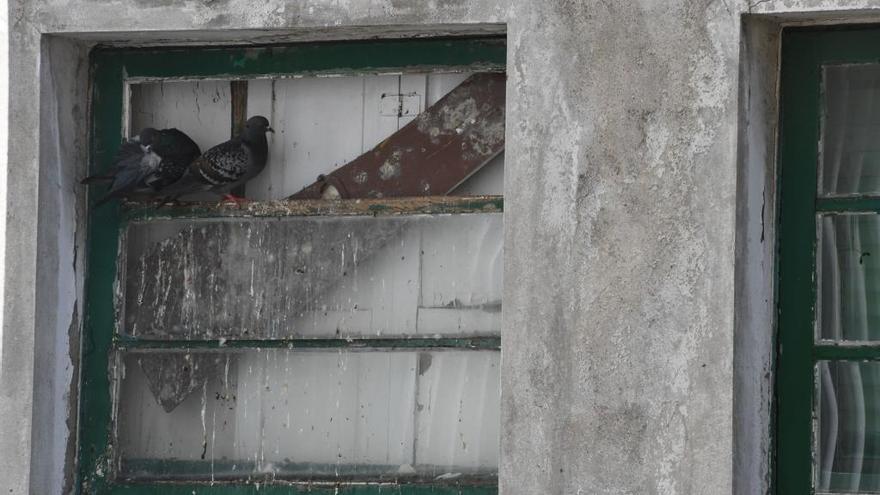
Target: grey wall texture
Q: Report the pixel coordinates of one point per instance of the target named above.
(640, 163)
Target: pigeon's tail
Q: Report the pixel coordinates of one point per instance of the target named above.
(112, 194)
(131, 162)
(103, 200)
(129, 154)
(128, 151)
(132, 169)
(190, 183)
(186, 185)
(97, 179)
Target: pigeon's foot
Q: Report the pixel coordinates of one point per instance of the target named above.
(238, 200)
(163, 202)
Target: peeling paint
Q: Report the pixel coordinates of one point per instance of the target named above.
(311, 277)
(391, 168)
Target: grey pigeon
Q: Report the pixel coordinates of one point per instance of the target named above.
(147, 163)
(227, 165)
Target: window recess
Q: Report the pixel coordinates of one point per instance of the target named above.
(345, 342)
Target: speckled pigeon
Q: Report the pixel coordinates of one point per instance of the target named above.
(227, 165)
(147, 163)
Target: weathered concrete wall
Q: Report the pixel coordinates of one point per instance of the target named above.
(20, 245)
(623, 210)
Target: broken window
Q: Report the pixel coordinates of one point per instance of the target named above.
(341, 328)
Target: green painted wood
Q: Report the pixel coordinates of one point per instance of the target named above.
(832, 205)
(110, 68)
(338, 57)
(861, 352)
(797, 246)
(804, 51)
(103, 239)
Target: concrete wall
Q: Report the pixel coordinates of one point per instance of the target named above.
(638, 308)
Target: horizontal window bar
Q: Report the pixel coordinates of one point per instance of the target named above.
(429, 205)
(176, 470)
(293, 488)
(371, 343)
(861, 203)
(849, 351)
(343, 57)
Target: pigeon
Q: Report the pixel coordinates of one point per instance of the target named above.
(227, 165)
(147, 163)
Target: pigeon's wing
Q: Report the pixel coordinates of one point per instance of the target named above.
(216, 169)
(169, 172)
(129, 150)
(128, 153)
(190, 182)
(97, 179)
(134, 163)
(224, 164)
(134, 167)
(177, 151)
(173, 144)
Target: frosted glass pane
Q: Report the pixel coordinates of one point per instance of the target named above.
(451, 431)
(317, 414)
(849, 279)
(314, 277)
(850, 145)
(848, 438)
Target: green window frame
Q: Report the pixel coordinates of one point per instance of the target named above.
(111, 67)
(804, 52)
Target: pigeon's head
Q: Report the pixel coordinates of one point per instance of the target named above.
(256, 127)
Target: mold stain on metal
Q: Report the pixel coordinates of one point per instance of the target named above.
(391, 168)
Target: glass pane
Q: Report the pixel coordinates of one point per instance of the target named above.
(316, 414)
(848, 437)
(850, 149)
(849, 281)
(322, 277)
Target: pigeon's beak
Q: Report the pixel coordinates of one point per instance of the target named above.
(269, 129)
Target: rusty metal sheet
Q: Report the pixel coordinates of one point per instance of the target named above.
(431, 155)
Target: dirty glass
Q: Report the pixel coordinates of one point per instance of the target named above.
(308, 414)
(850, 143)
(849, 278)
(321, 277)
(848, 436)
